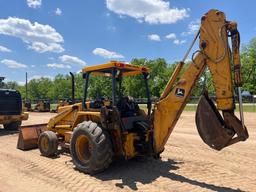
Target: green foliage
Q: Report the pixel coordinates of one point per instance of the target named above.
(60, 86)
(134, 85)
(161, 71)
(40, 88)
(99, 86)
(248, 60)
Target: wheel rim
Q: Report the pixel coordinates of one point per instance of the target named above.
(44, 143)
(83, 148)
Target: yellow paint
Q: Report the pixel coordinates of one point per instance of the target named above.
(5, 119)
(129, 145)
(69, 116)
(129, 69)
(44, 143)
(83, 149)
(67, 136)
(172, 80)
(215, 55)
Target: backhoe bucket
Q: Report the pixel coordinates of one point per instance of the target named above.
(28, 136)
(210, 124)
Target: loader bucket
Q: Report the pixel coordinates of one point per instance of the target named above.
(210, 124)
(28, 136)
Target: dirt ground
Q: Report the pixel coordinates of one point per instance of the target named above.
(187, 164)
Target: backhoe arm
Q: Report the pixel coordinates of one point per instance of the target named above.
(214, 53)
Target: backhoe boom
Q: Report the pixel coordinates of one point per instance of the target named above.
(213, 53)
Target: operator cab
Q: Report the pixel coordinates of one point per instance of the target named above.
(113, 73)
(112, 76)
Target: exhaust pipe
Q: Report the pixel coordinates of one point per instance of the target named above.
(73, 87)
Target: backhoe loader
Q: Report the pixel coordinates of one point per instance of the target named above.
(98, 130)
(42, 106)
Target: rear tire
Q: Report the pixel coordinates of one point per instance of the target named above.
(48, 143)
(13, 126)
(90, 148)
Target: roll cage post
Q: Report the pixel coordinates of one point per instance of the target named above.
(114, 72)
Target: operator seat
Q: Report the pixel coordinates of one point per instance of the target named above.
(127, 107)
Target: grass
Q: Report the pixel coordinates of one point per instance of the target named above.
(248, 107)
(54, 106)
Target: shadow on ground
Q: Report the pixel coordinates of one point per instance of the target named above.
(4, 132)
(146, 171)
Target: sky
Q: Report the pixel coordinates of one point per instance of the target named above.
(45, 38)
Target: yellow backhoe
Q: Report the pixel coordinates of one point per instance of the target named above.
(98, 130)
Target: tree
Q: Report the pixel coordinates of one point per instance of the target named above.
(248, 60)
(99, 86)
(40, 88)
(160, 73)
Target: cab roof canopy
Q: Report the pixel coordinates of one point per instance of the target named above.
(106, 69)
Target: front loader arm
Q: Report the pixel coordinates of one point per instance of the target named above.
(214, 53)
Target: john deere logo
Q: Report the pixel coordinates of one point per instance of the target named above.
(180, 92)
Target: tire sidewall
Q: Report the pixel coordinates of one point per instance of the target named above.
(99, 159)
(78, 132)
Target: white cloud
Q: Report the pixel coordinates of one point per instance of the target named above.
(171, 36)
(107, 54)
(72, 60)
(34, 3)
(58, 12)
(150, 11)
(174, 38)
(4, 49)
(154, 37)
(39, 37)
(58, 66)
(179, 42)
(21, 83)
(42, 47)
(13, 64)
(39, 77)
(193, 27)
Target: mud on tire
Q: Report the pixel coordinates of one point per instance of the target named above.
(90, 148)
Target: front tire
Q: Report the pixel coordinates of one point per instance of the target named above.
(90, 148)
(13, 126)
(48, 143)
